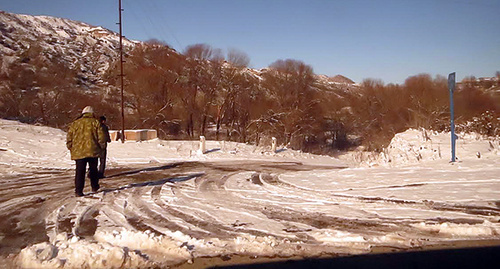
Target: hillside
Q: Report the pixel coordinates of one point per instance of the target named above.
(87, 49)
(51, 68)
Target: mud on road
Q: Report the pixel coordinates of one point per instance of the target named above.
(27, 199)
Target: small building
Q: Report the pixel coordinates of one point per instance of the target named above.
(134, 135)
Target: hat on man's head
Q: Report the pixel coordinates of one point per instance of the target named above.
(88, 109)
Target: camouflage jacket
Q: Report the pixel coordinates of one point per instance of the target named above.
(85, 137)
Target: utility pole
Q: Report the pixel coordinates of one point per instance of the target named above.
(451, 87)
(121, 68)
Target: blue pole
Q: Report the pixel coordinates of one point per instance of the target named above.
(451, 87)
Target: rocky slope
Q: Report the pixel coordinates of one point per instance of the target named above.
(82, 47)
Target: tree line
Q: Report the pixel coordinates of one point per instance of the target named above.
(204, 92)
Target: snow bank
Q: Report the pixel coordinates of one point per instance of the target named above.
(459, 230)
(77, 253)
(341, 238)
(31, 146)
(423, 146)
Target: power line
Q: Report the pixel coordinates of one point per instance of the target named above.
(138, 19)
(152, 13)
(165, 23)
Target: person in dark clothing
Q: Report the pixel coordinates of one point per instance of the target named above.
(85, 140)
(102, 158)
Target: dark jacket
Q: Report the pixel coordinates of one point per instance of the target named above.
(85, 137)
(105, 128)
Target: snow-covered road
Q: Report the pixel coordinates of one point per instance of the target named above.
(163, 203)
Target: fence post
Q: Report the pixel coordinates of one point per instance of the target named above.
(273, 144)
(451, 87)
(202, 144)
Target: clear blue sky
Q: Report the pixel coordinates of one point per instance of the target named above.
(387, 40)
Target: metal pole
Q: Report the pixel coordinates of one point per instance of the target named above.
(451, 87)
(121, 69)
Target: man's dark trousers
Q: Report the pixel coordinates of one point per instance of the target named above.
(81, 165)
(102, 163)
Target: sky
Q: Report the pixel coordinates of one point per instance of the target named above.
(359, 39)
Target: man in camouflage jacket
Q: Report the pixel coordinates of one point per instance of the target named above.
(86, 140)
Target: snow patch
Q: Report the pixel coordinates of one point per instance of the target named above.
(459, 230)
(424, 146)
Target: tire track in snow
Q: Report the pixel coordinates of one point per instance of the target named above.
(224, 200)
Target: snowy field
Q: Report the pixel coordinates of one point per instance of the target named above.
(164, 203)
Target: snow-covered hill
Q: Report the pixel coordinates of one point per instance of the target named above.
(84, 48)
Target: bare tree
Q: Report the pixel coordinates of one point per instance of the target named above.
(157, 42)
(297, 106)
(152, 83)
(203, 52)
(238, 58)
(32, 87)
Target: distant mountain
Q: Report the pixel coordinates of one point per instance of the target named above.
(338, 79)
(341, 79)
(84, 48)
